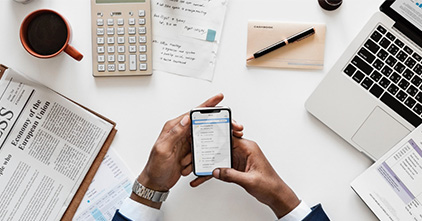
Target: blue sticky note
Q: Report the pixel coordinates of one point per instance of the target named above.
(211, 35)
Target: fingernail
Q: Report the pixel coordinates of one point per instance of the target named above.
(216, 173)
(184, 121)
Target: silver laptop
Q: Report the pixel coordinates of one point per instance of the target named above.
(372, 97)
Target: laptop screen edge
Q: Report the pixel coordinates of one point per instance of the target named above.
(403, 24)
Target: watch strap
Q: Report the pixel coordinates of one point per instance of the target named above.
(149, 194)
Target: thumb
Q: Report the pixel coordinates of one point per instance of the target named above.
(231, 175)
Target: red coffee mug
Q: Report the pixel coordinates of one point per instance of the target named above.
(66, 46)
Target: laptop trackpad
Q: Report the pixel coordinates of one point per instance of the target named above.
(379, 133)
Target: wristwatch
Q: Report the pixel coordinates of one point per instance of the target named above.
(149, 194)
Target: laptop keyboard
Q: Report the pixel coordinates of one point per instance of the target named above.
(391, 71)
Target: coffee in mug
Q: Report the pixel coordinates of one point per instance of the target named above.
(45, 34)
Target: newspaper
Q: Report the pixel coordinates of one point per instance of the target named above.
(392, 187)
(47, 145)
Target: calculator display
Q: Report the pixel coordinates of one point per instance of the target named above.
(118, 1)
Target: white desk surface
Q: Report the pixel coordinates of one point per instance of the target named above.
(311, 158)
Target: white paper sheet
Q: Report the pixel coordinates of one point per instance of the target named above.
(111, 185)
(392, 187)
(186, 35)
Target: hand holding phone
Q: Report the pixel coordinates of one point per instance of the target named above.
(211, 131)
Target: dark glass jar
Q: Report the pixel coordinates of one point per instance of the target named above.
(330, 4)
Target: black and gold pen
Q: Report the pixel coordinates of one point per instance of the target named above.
(294, 38)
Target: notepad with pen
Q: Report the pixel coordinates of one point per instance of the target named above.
(307, 53)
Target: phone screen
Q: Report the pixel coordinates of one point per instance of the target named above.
(211, 140)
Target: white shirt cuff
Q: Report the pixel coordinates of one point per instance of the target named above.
(137, 211)
(298, 213)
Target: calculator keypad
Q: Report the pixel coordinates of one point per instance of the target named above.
(121, 42)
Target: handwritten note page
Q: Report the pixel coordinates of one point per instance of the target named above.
(186, 36)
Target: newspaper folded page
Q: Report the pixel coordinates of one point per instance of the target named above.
(392, 186)
(47, 145)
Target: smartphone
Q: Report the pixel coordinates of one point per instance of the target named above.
(211, 131)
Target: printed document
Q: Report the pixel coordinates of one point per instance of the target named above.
(47, 145)
(111, 185)
(392, 187)
(186, 36)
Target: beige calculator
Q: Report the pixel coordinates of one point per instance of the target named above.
(121, 37)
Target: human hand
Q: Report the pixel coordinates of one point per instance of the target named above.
(254, 173)
(171, 156)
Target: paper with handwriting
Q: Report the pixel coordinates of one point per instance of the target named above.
(186, 36)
